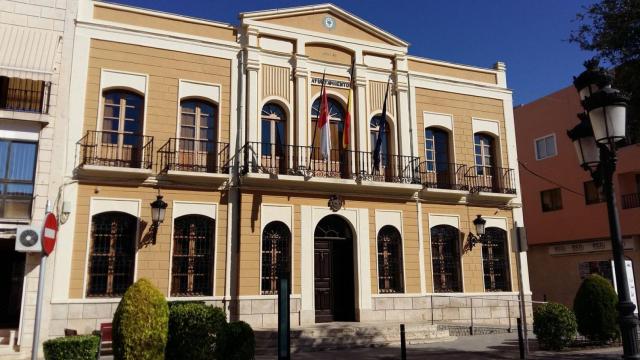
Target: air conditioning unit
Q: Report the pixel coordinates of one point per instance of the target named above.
(29, 238)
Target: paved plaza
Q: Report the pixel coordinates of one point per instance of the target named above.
(501, 346)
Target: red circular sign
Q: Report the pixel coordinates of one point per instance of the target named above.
(49, 233)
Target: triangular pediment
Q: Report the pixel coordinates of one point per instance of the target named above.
(327, 19)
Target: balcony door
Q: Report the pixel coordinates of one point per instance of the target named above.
(121, 137)
(198, 147)
(438, 170)
(273, 149)
(485, 155)
(383, 171)
(338, 163)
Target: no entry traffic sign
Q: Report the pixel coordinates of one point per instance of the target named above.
(49, 233)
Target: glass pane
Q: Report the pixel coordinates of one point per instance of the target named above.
(132, 140)
(266, 131)
(206, 109)
(110, 124)
(540, 149)
(478, 160)
(131, 126)
(187, 132)
(188, 106)
(4, 152)
(280, 133)
(22, 161)
(206, 121)
(19, 189)
(112, 110)
(133, 112)
(17, 209)
(551, 146)
(478, 150)
(188, 119)
(112, 98)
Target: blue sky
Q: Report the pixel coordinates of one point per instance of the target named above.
(529, 36)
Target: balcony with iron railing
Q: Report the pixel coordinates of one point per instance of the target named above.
(191, 159)
(491, 182)
(106, 153)
(24, 99)
(443, 180)
(631, 201)
(300, 164)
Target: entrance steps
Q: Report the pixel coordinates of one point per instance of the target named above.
(7, 341)
(345, 335)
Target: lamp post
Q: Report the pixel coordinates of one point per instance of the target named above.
(158, 209)
(601, 127)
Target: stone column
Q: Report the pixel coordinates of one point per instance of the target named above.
(360, 122)
(301, 75)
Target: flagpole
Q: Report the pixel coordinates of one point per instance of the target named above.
(313, 140)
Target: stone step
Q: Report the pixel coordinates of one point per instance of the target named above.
(7, 337)
(331, 336)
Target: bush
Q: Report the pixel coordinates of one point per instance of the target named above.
(83, 347)
(140, 324)
(192, 330)
(236, 341)
(554, 325)
(595, 308)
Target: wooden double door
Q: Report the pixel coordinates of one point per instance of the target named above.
(334, 271)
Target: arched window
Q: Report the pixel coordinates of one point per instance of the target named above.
(198, 125)
(122, 118)
(484, 150)
(336, 117)
(445, 252)
(274, 137)
(374, 129)
(276, 255)
(495, 260)
(390, 278)
(193, 256)
(112, 253)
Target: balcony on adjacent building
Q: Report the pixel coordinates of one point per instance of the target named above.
(630, 201)
(194, 160)
(110, 153)
(298, 164)
(24, 99)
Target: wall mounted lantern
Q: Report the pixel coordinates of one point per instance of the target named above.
(158, 209)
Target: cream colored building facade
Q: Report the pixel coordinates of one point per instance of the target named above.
(220, 121)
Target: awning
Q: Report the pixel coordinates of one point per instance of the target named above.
(27, 53)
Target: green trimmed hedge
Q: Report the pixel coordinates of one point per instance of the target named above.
(554, 325)
(82, 347)
(236, 341)
(192, 330)
(595, 307)
(141, 323)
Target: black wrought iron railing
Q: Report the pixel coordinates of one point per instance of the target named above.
(491, 179)
(110, 148)
(342, 164)
(630, 201)
(25, 95)
(440, 175)
(389, 168)
(205, 156)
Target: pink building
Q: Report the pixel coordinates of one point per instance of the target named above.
(565, 216)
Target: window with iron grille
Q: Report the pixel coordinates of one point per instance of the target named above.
(495, 260)
(17, 170)
(390, 260)
(193, 255)
(276, 256)
(445, 252)
(112, 256)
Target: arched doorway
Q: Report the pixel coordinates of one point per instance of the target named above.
(334, 270)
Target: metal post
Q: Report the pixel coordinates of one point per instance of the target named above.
(284, 326)
(403, 343)
(36, 326)
(521, 340)
(471, 327)
(627, 320)
(522, 305)
(509, 313)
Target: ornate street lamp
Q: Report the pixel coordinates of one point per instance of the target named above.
(158, 209)
(601, 127)
(480, 237)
